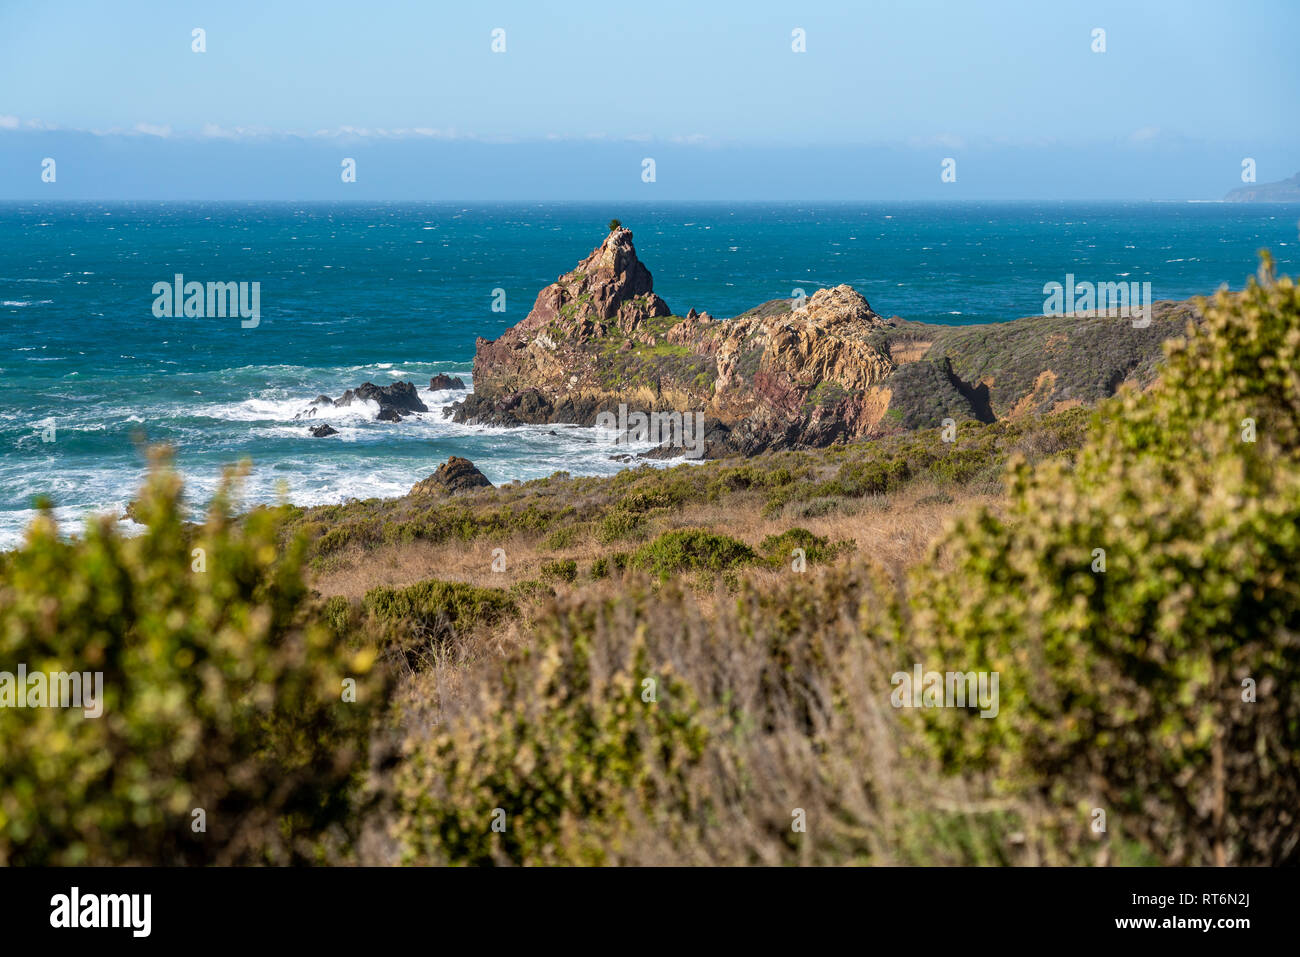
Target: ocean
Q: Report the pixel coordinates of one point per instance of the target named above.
(382, 292)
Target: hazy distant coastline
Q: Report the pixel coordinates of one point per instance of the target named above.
(1283, 191)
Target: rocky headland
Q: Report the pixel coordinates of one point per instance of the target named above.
(790, 374)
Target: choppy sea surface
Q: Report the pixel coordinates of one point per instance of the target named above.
(384, 292)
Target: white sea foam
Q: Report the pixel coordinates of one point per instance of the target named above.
(287, 410)
(367, 459)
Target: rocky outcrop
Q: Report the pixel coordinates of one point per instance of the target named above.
(600, 336)
(400, 398)
(454, 475)
(323, 430)
(441, 382)
(394, 401)
(786, 374)
(607, 298)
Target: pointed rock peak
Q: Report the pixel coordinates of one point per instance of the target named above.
(614, 262)
(840, 304)
(614, 249)
(611, 283)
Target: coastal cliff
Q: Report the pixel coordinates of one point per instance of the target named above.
(790, 374)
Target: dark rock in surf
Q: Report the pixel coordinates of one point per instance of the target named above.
(400, 397)
(454, 475)
(442, 382)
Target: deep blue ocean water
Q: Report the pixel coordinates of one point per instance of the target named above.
(380, 292)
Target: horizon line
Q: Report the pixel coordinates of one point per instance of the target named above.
(647, 202)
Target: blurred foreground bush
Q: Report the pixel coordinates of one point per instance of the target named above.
(647, 729)
(220, 694)
(1143, 609)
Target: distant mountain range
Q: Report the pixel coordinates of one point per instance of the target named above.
(289, 167)
(1285, 191)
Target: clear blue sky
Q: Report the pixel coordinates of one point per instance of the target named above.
(933, 77)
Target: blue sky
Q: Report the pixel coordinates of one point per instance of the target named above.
(584, 91)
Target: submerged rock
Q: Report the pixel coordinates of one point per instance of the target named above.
(322, 430)
(313, 405)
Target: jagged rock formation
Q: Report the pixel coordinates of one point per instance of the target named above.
(454, 475)
(442, 382)
(394, 401)
(788, 375)
(323, 430)
(600, 336)
(607, 296)
(400, 397)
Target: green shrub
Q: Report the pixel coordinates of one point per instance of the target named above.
(690, 550)
(560, 759)
(872, 477)
(418, 620)
(562, 570)
(963, 465)
(561, 538)
(659, 496)
(335, 539)
(1162, 689)
(778, 548)
(340, 614)
(220, 693)
(530, 589)
(618, 525)
(747, 477)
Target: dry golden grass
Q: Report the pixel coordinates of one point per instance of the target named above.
(895, 532)
(909, 350)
